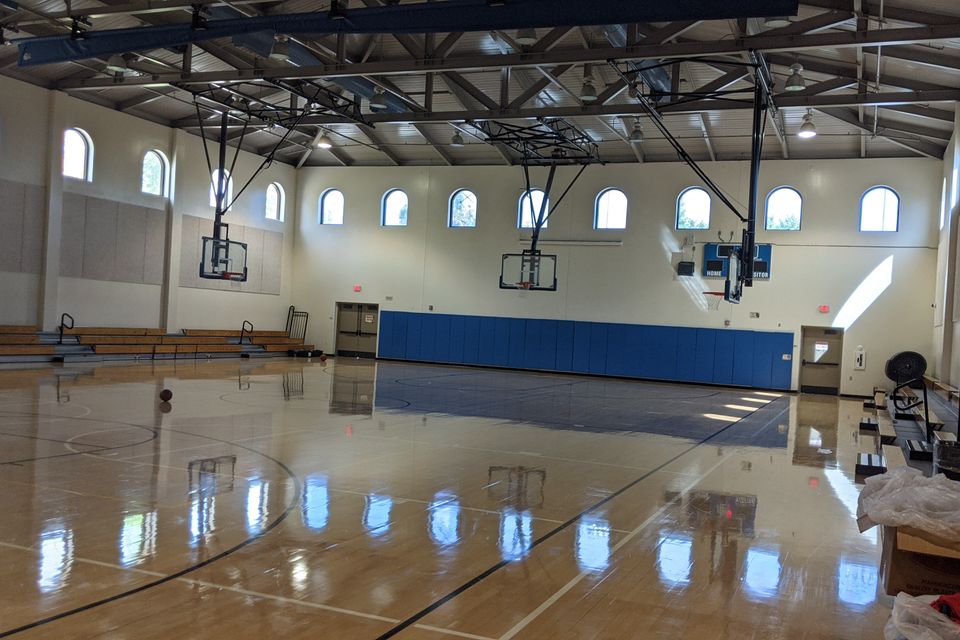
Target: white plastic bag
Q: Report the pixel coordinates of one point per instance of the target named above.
(914, 619)
(905, 497)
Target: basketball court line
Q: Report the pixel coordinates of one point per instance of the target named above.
(270, 526)
(630, 535)
(257, 594)
(416, 617)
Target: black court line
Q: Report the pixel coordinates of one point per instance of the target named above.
(98, 449)
(503, 563)
(179, 574)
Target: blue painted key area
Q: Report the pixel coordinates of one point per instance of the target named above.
(685, 354)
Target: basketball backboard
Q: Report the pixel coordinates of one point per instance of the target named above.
(223, 260)
(531, 271)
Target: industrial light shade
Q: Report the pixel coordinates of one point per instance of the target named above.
(526, 37)
(637, 134)
(456, 140)
(323, 142)
(807, 129)
(588, 93)
(281, 49)
(776, 22)
(117, 64)
(378, 102)
(796, 82)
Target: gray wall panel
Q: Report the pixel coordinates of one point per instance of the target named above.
(258, 262)
(254, 240)
(100, 240)
(272, 262)
(12, 196)
(131, 242)
(34, 215)
(190, 252)
(156, 233)
(71, 240)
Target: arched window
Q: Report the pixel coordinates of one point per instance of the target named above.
(393, 209)
(276, 200)
(693, 209)
(784, 209)
(77, 154)
(529, 209)
(879, 210)
(463, 209)
(610, 210)
(153, 173)
(227, 188)
(331, 207)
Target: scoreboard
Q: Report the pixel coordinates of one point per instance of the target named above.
(715, 259)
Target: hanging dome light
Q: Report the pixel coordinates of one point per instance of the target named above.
(281, 49)
(588, 93)
(526, 37)
(323, 142)
(456, 140)
(637, 134)
(378, 102)
(117, 64)
(795, 82)
(776, 22)
(807, 129)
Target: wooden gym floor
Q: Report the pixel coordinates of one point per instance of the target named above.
(358, 500)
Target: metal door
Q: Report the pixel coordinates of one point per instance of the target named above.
(369, 320)
(348, 325)
(821, 353)
(357, 326)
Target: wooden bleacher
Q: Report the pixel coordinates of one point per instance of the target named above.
(17, 340)
(22, 340)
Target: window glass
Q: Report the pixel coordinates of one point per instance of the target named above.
(76, 154)
(463, 209)
(879, 210)
(530, 204)
(331, 207)
(152, 175)
(395, 204)
(274, 209)
(784, 209)
(611, 210)
(693, 209)
(227, 186)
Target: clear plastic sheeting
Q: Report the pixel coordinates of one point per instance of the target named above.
(905, 497)
(914, 619)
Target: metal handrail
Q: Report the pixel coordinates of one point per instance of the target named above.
(297, 323)
(244, 330)
(63, 317)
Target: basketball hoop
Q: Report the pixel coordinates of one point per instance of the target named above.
(233, 275)
(713, 299)
(524, 285)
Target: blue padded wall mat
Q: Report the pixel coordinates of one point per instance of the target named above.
(683, 354)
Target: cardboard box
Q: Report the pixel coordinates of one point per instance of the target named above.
(918, 566)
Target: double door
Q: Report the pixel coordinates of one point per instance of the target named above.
(357, 325)
(820, 367)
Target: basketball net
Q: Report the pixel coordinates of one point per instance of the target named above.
(714, 298)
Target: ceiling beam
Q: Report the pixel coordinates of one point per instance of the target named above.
(380, 145)
(919, 146)
(634, 109)
(687, 49)
(920, 55)
(634, 146)
(446, 157)
(705, 128)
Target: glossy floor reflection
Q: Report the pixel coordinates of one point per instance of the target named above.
(351, 499)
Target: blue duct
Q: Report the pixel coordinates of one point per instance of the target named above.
(654, 75)
(261, 43)
(427, 17)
